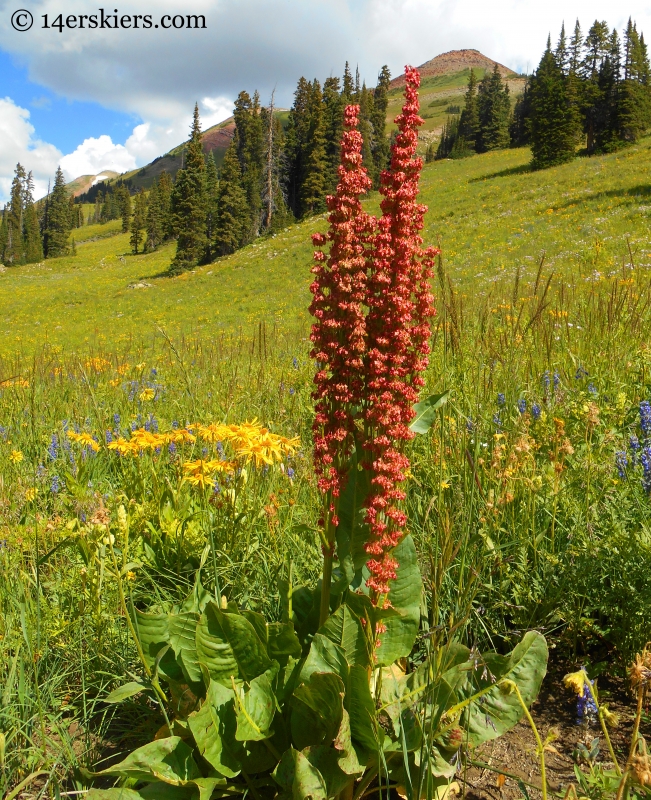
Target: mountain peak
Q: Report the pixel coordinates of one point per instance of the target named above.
(455, 61)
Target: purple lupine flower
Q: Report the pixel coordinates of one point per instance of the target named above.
(621, 462)
(522, 405)
(535, 411)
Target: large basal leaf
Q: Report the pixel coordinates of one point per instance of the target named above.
(282, 640)
(199, 789)
(299, 779)
(182, 637)
(325, 656)
(113, 794)
(214, 727)
(169, 760)
(365, 732)
(494, 712)
(255, 711)
(426, 412)
(352, 531)
(229, 646)
(338, 764)
(405, 596)
(153, 633)
(317, 710)
(345, 629)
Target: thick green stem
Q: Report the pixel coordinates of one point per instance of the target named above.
(328, 558)
(512, 686)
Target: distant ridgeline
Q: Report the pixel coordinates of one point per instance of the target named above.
(277, 168)
(592, 93)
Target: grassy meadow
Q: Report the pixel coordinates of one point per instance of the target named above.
(528, 501)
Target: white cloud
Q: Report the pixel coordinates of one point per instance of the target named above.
(19, 144)
(214, 110)
(96, 154)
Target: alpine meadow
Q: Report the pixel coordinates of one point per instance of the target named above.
(325, 447)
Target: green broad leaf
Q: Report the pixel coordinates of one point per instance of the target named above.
(299, 779)
(436, 763)
(213, 728)
(124, 692)
(153, 633)
(182, 637)
(364, 728)
(255, 711)
(113, 794)
(345, 629)
(282, 640)
(259, 624)
(493, 711)
(325, 656)
(405, 597)
(229, 646)
(326, 761)
(346, 754)
(425, 412)
(317, 710)
(170, 760)
(198, 598)
(198, 789)
(352, 531)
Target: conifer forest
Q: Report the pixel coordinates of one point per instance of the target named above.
(325, 455)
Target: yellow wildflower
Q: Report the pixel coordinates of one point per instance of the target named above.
(84, 439)
(123, 447)
(147, 394)
(575, 681)
(16, 456)
(180, 436)
(213, 432)
(31, 493)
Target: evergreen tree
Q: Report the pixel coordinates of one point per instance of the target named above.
(123, 201)
(296, 143)
(165, 187)
(562, 53)
(633, 107)
(57, 223)
(333, 113)
(552, 124)
(379, 119)
(494, 106)
(189, 204)
(153, 222)
(4, 233)
(365, 127)
(232, 206)
(469, 121)
(251, 155)
(32, 231)
(312, 195)
(139, 222)
(519, 130)
(212, 187)
(576, 49)
(275, 214)
(449, 137)
(347, 86)
(14, 248)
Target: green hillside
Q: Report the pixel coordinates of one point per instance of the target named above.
(491, 214)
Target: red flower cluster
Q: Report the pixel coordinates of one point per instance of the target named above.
(339, 333)
(372, 305)
(398, 333)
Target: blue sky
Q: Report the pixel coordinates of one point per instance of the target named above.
(115, 99)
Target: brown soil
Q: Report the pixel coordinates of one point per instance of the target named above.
(515, 753)
(455, 61)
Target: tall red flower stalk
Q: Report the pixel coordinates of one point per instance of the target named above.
(400, 305)
(339, 332)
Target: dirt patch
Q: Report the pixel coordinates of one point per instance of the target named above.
(455, 61)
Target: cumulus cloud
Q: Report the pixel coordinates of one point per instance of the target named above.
(95, 154)
(18, 143)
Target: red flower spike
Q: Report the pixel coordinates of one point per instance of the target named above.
(398, 333)
(339, 297)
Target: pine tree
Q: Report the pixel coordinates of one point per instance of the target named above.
(4, 233)
(232, 205)
(494, 107)
(165, 188)
(275, 214)
(32, 231)
(212, 188)
(552, 124)
(347, 86)
(379, 119)
(562, 52)
(633, 104)
(365, 127)
(139, 222)
(449, 137)
(333, 114)
(519, 130)
(312, 196)
(469, 121)
(123, 200)
(296, 143)
(189, 204)
(251, 156)
(14, 249)
(153, 223)
(57, 224)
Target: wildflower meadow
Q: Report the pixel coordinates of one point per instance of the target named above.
(339, 557)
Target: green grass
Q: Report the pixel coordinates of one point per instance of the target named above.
(489, 212)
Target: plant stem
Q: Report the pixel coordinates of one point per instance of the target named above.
(328, 558)
(604, 729)
(541, 749)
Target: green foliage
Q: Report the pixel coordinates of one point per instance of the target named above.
(232, 208)
(56, 226)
